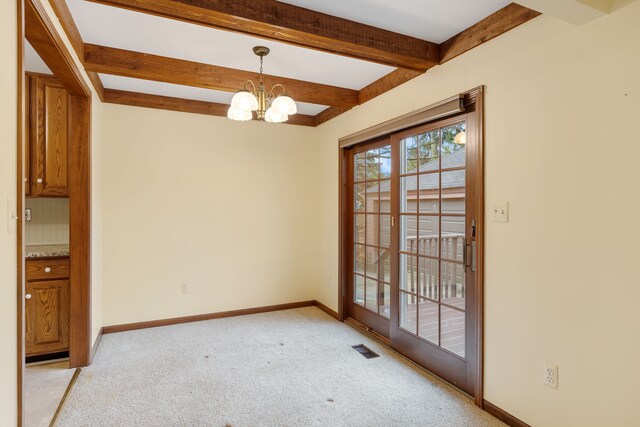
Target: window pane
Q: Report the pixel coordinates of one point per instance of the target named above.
(453, 191)
(428, 318)
(373, 164)
(372, 295)
(359, 166)
(358, 197)
(429, 150)
(408, 312)
(453, 149)
(429, 184)
(359, 259)
(408, 272)
(385, 231)
(452, 334)
(373, 233)
(372, 262)
(385, 299)
(429, 229)
(408, 199)
(428, 277)
(373, 200)
(453, 284)
(408, 155)
(385, 195)
(385, 265)
(385, 162)
(452, 238)
(408, 233)
(358, 294)
(358, 225)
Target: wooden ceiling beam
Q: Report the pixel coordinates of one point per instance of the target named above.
(107, 60)
(136, 99)
(492, 26)
(274, 20)
(70, 28)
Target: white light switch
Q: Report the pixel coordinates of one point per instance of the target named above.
(499, 212)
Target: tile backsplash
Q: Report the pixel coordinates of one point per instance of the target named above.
(49, 221)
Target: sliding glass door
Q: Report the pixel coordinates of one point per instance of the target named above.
(413, 221)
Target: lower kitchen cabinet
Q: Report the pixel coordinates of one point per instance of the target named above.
(47, 309)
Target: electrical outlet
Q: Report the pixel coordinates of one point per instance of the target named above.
(550, 375)
(185, 288)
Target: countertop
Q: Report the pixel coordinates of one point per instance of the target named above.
(45, 251)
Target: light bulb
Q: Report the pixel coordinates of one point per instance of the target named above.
(284, 105)
(244, 101)
(274, 116)
(242, 115)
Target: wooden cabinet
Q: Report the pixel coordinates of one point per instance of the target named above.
(47, 156)
(47, 306)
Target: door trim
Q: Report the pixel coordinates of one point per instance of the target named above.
(50, 46)
(470, 97)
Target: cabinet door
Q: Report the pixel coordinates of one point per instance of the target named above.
(28, 136)
(47, 317)
(51, 166)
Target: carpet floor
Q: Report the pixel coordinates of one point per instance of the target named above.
(286, 368)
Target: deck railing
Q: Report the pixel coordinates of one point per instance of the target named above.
(423, 277)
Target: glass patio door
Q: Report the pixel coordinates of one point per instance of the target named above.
(372, 251)
(435, 249)
(413, 222)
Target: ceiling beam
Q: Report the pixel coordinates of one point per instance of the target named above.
(107, 60)
(69, 26)
(274, 20)
(136, 99)
(492, 26)
(41, 34)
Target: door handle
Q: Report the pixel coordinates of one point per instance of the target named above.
(28, 296)
(470, 255)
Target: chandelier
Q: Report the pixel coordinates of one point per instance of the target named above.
(268, 106)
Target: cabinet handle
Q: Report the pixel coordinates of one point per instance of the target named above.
(39, 180)
(28, 296)
(47, 269)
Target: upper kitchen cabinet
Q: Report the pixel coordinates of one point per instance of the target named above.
(48, 136)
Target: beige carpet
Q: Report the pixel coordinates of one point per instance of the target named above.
(286, 368)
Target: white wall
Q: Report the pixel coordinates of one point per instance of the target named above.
(220, 205)
(561, 282)
(49, 221)
(8, 126)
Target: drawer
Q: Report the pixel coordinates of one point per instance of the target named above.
(43, 269)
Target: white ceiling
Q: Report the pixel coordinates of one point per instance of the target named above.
(432, 20)
(32, 61)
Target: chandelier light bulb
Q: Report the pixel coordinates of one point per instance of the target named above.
(244, 101)
(274, 116)
(284, 105)
(241, 115)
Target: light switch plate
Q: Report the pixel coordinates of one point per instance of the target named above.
(12, 217)
(499, 212)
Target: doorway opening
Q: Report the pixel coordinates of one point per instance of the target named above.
(54, 116)
(411, 238)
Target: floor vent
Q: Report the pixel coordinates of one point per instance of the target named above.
(365, 351)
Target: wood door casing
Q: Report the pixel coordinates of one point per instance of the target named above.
(47, 317)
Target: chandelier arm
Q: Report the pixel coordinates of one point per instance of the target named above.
(252, 85)
(272, 91)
